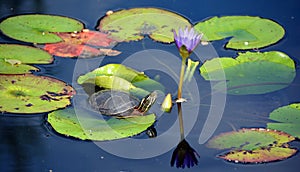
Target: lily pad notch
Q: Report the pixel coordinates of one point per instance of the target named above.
(18, 59)
(253, 145)
(38, 28)
(27, 94)
(245, 32)
(133, 24)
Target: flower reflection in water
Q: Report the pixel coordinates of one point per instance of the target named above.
(184, 155)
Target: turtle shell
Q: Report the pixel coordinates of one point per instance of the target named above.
(113, 103)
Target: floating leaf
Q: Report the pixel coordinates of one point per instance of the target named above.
(251, 72)
(260, 155)
(249, 139)
(133, 24)
(287, 118)
(120, 75)
(254, 145)
(38, 28)
(14, 58)
(79, 45)
(33, 94)
(91, 127)
(247, 32)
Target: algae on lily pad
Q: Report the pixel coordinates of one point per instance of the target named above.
(251, 72)
(287, 119)
(245, 32)
(38, 28)
(86, 126)
(254, 145)
(15, 59)
(133, 24)
(82, 44)
(120, 77)
(260, 155)
(33, 94)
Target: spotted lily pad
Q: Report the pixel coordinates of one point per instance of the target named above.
(133, 24)
(260, 155)
(251, 72)
(38, 28)
(80, 44)
(254, 145)
(120, 77)
(15, 59)
(33, 94)
(287, 119)
(246, 32)
(85, 126)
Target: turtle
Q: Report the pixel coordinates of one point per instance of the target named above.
(121, 104)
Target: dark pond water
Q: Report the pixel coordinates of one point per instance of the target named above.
(27, 143)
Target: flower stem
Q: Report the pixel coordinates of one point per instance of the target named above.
(179, 96)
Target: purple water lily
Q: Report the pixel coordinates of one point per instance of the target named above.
(187, 37)
(184, 155)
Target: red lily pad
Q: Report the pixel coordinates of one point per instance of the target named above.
(260, 155)
(82, 44)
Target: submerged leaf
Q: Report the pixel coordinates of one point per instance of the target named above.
(287, 119)
(33, 94)
(251, 73)
(80, 45)
(247, 32)
(133, 24)
(85, 126)
(38, 28)
(14, 59)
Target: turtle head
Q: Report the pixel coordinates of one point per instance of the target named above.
(147, 102)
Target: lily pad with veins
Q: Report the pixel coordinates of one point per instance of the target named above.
(245, 32)
(38, 28)
(16, 59)
(135, 23)
(253, 145)
(287, 119)
(85, 126)
(26, 94)
(251, 72)
(120, 77)
(82, 44)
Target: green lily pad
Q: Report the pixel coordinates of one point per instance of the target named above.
(33, 94)
(133, 24)
(89, 127)
(120, 77)
(249, 139)
(247, 32)
(254, 145)
(14, 59)
(38, 28)
(287, 119)
(260, 155)
(251, 72)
